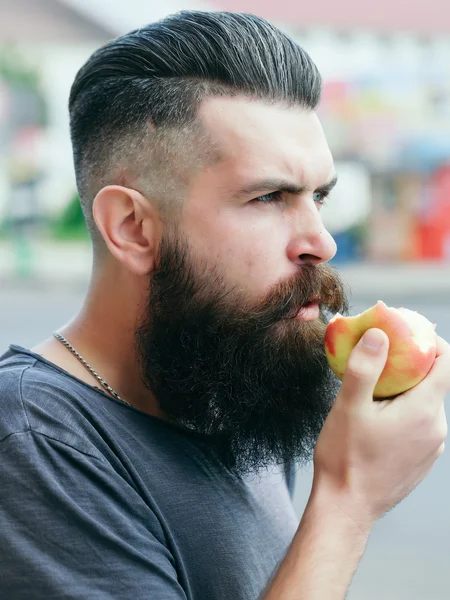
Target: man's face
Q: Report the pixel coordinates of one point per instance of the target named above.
(257, 244)
(231, 343)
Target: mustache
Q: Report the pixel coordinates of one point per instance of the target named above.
(313, 283)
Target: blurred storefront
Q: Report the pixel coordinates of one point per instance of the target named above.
(397, 124)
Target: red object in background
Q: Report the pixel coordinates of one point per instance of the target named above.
(429, 242)
(433, 230)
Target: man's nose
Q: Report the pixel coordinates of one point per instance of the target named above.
(311, 242)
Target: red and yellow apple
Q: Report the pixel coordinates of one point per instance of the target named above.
(412, 345)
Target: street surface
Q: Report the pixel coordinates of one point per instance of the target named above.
(408, 555)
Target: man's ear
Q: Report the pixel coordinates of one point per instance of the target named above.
(130, 225)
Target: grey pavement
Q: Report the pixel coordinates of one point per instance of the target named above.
(408, 555)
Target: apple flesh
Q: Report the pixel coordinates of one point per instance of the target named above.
(412, 345)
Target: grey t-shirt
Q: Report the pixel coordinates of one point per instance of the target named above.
(101, 501)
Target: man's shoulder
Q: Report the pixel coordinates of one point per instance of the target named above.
(35, 397)
(13, 417)
(25, 379)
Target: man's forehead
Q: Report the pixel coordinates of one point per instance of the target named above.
(251, 134)
(242, 119)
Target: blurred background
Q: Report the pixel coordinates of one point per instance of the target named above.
(386, 113)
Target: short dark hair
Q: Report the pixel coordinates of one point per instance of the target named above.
(133, 97)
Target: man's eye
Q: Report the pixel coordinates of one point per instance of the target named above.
(268, 198)
(320, 198)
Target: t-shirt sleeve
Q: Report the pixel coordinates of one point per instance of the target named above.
(71, 527)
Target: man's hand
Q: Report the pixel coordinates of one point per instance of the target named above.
(371, 454)
(368, 457)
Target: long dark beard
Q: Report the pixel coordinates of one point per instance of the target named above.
(251, 378)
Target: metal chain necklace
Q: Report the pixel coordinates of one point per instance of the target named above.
(69, 346)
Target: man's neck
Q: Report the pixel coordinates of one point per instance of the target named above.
(103, 334)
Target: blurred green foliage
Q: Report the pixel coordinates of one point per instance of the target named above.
(15, 70)
(70, 224)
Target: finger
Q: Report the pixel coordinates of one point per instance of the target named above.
(442, 347)
(364, 366)
(439, 429)
(436, 384)
(442, 416)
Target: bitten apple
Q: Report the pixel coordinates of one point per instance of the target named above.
(412, 345)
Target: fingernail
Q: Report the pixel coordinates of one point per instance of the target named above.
(372, 340)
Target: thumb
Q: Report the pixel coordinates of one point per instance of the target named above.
(364, 366)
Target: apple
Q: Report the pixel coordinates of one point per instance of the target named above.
(412, 345)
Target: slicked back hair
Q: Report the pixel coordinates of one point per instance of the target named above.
(133, 105)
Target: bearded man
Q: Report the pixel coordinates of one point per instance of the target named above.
(148, 446)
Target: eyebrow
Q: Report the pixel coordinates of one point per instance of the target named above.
(282, 185)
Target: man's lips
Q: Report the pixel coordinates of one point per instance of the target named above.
(309, 311)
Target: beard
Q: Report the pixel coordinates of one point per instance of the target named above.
(252, 379)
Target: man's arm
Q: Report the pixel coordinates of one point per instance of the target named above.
(369, 456)
(323, 556)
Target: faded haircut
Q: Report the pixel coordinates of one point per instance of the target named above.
(133, 105)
